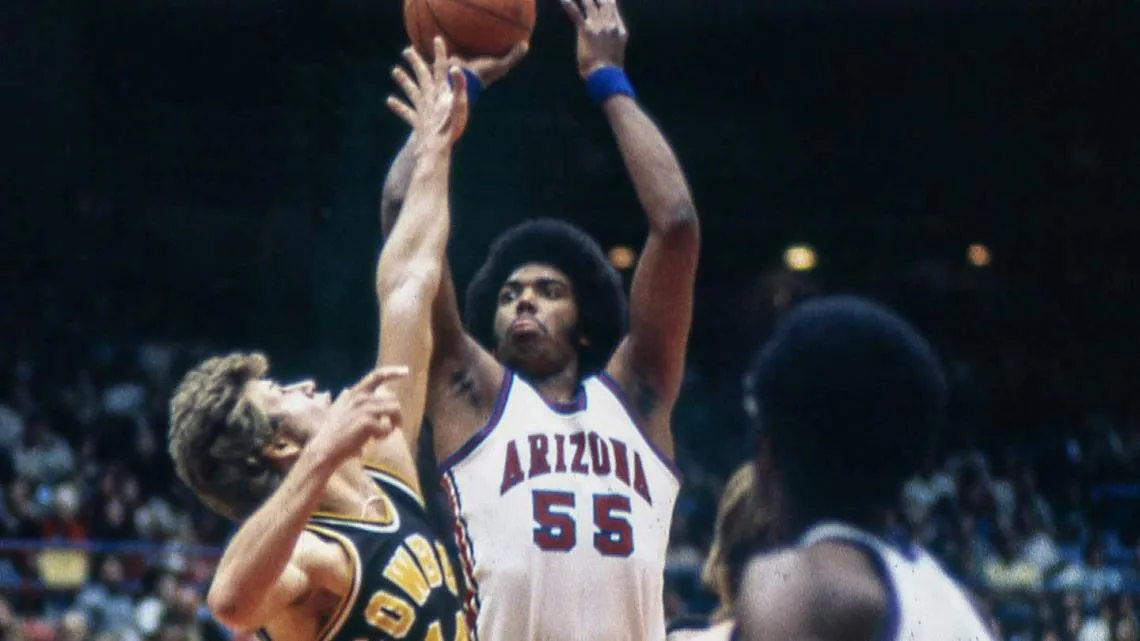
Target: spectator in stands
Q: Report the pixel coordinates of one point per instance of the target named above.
(73, 627)
(1125, 629)
(43, 457)
(65, 522)
(924, 490)
(23, 512)
(105, 603)
(1098, 627)
(153, 607)
(1090, 576)
(1005, 572)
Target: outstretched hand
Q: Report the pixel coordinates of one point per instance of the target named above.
(367, 410)
(602, 35)
(436, 106)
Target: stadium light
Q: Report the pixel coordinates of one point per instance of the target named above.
(622, 257)
(800, 258)
(978, 255)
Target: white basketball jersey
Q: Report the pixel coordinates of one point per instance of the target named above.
(925, 603)
(563, 515)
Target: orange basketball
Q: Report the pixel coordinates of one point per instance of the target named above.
(471, 28)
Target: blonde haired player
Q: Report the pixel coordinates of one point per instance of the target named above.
(741, 529)
(334, 543)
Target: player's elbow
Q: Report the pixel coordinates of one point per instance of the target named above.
(681, 227)
(227, 607)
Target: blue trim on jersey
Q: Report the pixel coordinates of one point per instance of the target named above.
(891, 621)
(566, 409)
(619, 394)
(478, 437)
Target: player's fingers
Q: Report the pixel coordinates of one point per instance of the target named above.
(459, 106)
(385, 426)
(574, 11)
(593, 10)
(419, 68)
(517, 53)
(407, 85)
(609, 12)
(377, 377)
(389, 373)
(440, 63)
(458, 82)
(406, 113)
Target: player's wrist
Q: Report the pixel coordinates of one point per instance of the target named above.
(475, 86)
(317, 461)
(608, 81)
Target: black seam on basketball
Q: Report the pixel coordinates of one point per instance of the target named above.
(443, 30)
(489, 11)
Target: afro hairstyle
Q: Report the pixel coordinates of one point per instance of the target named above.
(597, 285)
(849, 398)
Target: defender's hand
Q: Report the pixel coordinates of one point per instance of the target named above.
(601, 34)
(365, 411)
(491, 70)
(436, 106)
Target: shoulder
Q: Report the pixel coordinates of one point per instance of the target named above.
(828, 592)
(328, 559)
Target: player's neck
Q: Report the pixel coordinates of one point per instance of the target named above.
(347, 491)
(558, 388)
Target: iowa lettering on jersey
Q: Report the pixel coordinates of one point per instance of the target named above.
(555, 514)
(417, 568)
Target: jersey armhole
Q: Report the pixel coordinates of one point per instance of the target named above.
(889, 631)
(616, 391)
(481, 435)
(348, 601)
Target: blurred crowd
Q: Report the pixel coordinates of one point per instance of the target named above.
(98, 539)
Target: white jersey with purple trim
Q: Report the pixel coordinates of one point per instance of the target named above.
(926, 604)
(563, 516)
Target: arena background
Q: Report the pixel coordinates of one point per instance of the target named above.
(180, 178)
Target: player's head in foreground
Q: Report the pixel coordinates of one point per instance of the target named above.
(847, 398)
(741, 528)
(547, 299)
(234, 433)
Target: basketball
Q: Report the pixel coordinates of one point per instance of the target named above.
(471, 28)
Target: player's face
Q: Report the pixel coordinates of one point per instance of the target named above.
(299, 406)
(535, 320)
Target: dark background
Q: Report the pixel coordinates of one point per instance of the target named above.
(206, 175)
(210, 170)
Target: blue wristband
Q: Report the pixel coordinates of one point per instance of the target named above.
(607, 82)
(474, 87)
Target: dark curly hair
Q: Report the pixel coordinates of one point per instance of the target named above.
(597, 285)
(850, 398)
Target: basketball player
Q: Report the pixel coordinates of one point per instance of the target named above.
(553, 425)
(740, 530)
(847, 397)
(333, 542)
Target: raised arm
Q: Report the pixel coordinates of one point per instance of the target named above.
(451, 343)
(410, 267)
(649, 365)
(463, 379)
